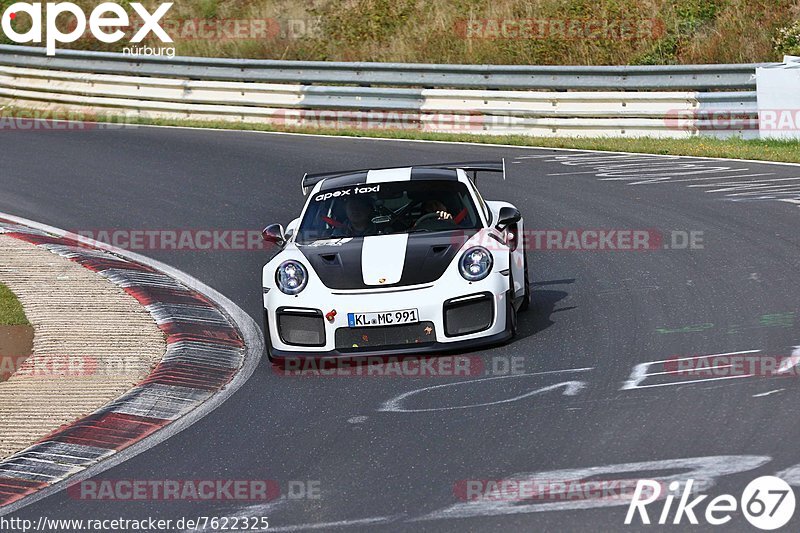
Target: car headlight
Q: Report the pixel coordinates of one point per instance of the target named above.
(475, 264)
(291, 277)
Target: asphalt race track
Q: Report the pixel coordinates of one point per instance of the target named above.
(597, 315)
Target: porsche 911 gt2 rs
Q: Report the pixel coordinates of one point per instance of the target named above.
(395, 261)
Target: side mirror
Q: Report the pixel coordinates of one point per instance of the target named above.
(507, 217)
(274, 234)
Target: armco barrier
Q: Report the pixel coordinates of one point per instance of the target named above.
(671, 101)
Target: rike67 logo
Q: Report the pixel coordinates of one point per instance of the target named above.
(767, 502)
(104, 23)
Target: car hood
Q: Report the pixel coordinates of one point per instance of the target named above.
(384, 260)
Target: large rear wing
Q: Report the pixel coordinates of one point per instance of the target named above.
(472, 168)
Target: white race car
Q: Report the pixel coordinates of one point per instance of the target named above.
(395, 261)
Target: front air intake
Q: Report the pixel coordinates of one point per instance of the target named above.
(468, 314)
(301, 327)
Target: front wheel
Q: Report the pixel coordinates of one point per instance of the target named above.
(268, 340)
(526, 299)
(511, 316)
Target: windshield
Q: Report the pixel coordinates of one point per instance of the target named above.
(388, 208)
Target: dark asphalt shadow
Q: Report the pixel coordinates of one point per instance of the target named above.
(543, 306)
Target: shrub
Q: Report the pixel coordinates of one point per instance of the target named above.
(787, 39)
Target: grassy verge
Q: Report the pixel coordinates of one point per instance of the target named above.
(734, 148)
(11, 312)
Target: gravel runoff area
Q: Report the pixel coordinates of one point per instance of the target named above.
(92, 343)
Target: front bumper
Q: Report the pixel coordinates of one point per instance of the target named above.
(435, 348)
(428, 300)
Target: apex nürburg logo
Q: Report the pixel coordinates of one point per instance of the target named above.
(104, 22)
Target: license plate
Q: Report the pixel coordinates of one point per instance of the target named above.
(383, 318)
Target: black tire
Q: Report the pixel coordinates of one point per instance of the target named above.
(526, 299)
(511, 316)
(268, 340)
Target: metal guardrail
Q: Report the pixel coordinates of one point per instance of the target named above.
(674, 77)
(466, 98)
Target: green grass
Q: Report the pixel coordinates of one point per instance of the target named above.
(11, 312)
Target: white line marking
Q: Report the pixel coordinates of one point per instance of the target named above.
(737, 182)
(674, 372)
(754, 188)
(665, 176)
(709, 178)
(604, 169)
(571, 388)
(790, 362)
(767, 393)
(256, 510)
(640, 374)
(769, 190)
(706, 356)
(704, 470)
(691, 381)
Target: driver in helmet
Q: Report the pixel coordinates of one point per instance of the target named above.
(359, 211)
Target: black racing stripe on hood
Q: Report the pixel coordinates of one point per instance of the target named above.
(427, 257)
(337, 266)
(429, 254)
